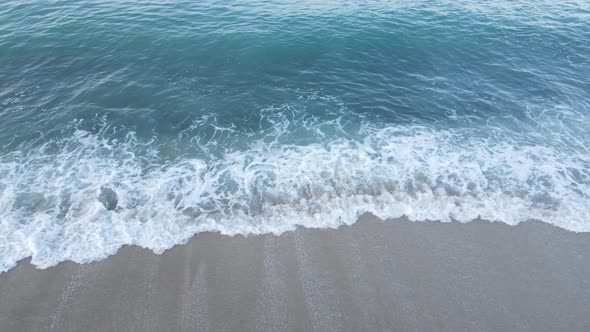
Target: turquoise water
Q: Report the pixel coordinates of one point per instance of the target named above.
(146, 122)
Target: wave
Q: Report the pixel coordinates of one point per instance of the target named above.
(84, 195)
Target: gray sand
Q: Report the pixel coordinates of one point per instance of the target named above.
(394, 275)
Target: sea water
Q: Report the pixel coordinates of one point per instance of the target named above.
(146, 122)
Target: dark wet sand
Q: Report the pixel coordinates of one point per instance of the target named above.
(394, 275)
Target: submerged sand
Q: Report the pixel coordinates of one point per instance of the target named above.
(372, 276)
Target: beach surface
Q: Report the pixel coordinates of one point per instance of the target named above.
(373, 275)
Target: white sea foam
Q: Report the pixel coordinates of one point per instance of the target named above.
(83, 197)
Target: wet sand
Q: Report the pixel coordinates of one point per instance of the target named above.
(372, 276)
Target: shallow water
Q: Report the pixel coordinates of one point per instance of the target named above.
(136, 122)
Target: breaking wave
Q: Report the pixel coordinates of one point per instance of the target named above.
(82, 197)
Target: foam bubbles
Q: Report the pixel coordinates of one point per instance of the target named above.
(84, 196)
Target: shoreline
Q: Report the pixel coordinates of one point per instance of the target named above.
(374, 275)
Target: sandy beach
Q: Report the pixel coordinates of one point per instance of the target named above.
(374, 275)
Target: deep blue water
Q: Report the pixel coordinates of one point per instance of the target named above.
(146, 122)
